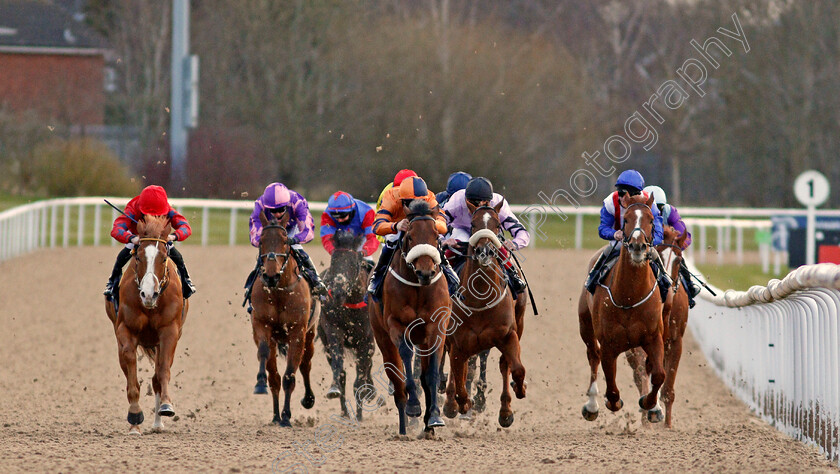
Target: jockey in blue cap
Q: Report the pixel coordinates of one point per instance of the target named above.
(346, 213)
(629, 183)
(456, 182)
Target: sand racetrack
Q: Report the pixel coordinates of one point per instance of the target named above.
(63, 403)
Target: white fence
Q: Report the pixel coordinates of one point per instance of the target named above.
(35, 225)
(776, 347)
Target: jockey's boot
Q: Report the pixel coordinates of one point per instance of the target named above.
(302, 258)
(662, 278)
(517, 284)
(122, 258)
(690, 288)
(595, 273)
(187, 286)
(249, 283)
(452, 280)
(378, 275)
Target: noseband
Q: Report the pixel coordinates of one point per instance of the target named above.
(410, 264)
(648, 238)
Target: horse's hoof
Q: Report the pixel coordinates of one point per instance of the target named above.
(261, 389)
(616, 407)
(655, 415)
(413, 410)
(435, 421)
(642, 404)
(589, 415)
(166, 410)
(333, 392)
(466, 416)
(505, 421)
(450, 410)
(135, 418)
(281, 422)
(134, 431)
(308, 401)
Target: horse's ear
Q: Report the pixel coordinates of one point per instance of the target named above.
(471, 207)
(284, 221)
(141, 226)
(167, 229)
(650, 200)
(498, 207)
(263, 219)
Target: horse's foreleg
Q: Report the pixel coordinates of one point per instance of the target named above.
(430, 379)
(450, 407)
(393, 367)
(510, 349)
(168, 338)
(458, 369)
(608, 364)
(413, 407)
(673, 352)
(308, 400)
(158, 423)
(127, 345)
(505, 412)
(262, 338)
(274, 380)
(593, 355)
(655, 353)
(636, 359)
(364, 362)
(334, 342)
(294, 357)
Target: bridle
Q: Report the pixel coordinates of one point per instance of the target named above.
(648, 238)
(678, 261)
(162, 283)
(484, 249)
(626, 244)
(410, 265)
(276, 256)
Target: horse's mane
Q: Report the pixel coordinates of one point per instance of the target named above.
(345, 239)
(152, 226)
(419, 207)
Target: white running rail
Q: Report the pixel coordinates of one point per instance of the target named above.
(777, 347)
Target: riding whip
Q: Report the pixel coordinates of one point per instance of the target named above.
(530, 294)
(703, 283)
(120, 211)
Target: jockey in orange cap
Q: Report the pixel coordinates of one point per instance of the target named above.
(391, 222)
(391, 188)
(152, 201)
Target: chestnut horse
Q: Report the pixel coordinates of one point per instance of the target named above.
(413, 317)
(487, 316)
(150, 317)
(625, 313)
(674, 320)
(284, 318)
(344, 320)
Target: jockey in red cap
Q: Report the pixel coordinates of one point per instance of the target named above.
(152, 201)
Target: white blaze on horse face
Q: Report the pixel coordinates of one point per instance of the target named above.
(486, 219)
(148, 285)
(592, 404)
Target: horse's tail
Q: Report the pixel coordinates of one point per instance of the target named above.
(150, 352)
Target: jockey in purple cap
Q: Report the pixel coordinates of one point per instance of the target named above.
(671, 217)
(275, 201)
(629, 183)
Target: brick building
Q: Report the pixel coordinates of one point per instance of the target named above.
(50, 63)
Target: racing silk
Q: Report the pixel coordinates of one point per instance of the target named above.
(391, 212)
(612, 215)
(443, 197)
(379, 205)
(124, 229)
(458, 216)
(671, 216)
(361, 224)
(300, 227)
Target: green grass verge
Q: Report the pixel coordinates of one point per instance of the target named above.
(738, 277)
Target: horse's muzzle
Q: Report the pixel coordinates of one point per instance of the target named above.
(270, 281)
(425, 276)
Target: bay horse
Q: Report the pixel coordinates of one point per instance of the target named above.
(485, 315)
(413, 317)
(625, 313)
(150, 317)
(284, 318)
(344, 322)
(674, 320)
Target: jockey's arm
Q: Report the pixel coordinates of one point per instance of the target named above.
(371, 244)
(606, 230)
(675, 221)
(305, 224)
(180, 227)
(327, 231)
(658, 233)
(517, 231)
